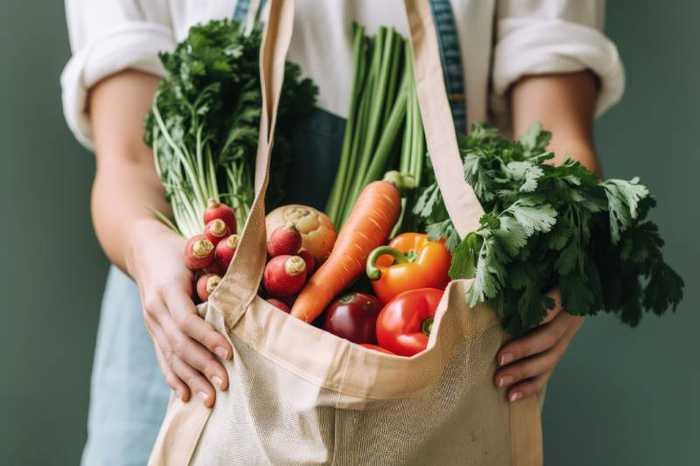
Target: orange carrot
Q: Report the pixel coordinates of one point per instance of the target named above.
(370, 222)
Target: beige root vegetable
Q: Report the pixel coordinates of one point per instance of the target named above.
(316, 229)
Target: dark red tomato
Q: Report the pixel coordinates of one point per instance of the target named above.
(404, 324)
(354, 317)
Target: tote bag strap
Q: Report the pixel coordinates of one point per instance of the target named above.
(461, 202)
(240, 283)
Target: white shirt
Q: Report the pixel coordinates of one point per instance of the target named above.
(500, 41)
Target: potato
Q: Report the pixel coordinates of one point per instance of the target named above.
(317, 231)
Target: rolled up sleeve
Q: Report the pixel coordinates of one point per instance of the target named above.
(554, 36)
(106, 37)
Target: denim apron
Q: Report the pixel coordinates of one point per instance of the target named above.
(128, 395)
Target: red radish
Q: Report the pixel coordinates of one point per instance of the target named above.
(279, 304)
(285, 240)
(217, 230)
(206, 284)
(225, 251)
(310, 261)
(284, 276)
(215, 210)
(199, 252)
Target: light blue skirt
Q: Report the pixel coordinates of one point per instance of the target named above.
(128, 395)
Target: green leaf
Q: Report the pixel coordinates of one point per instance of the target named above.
(623, 201)
(464, 257)
(511, 234)
(534, 217)
(551, 225)
(525, 172)
(535, 140)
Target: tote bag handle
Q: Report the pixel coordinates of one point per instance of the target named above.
(462, 204)
(240, 283)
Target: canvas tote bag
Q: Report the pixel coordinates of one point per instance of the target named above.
(299, 395)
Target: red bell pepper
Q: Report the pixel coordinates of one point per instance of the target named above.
(404, 324)
(409, 262)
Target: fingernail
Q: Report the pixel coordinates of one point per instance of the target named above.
(515, 396)
(505, 380)
(218, 382)
(221, 352)
(203, 396)
(506, 358)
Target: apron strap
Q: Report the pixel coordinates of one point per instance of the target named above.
(451, 58)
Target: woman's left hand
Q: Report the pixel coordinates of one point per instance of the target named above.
(526, 363)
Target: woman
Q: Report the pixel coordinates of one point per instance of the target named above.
(515, 62)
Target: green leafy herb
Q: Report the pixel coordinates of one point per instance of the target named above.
(548, 226)
(203, 125)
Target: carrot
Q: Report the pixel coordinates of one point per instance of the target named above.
(374, 214)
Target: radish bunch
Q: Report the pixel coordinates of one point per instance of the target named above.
(288, 266)
(210, 253)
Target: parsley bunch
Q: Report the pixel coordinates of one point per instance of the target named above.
(203, 125)
(548, 226)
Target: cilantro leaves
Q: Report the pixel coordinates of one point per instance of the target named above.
(551, 226)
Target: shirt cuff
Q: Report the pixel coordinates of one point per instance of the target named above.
(132, 45)
(528, 47)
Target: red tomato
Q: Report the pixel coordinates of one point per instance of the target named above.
(403, 326)
(354, 317)
(376, 348)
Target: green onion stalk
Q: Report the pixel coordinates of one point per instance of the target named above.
(190, 177)
(383, 124)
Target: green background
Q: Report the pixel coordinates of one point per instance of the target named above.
(621, 397)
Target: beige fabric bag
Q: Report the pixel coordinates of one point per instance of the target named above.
(299, 395)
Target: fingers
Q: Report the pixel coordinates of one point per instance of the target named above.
(541, 339)
(197, 383)
(533, 367)
(194, 355)
(191, 324)
(188, 366)
(161, 345)
(526, 377)
(527, 388)
(183, 392)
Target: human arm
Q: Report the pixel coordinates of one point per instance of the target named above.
(553, 65)
(564, 104)
(125, 190)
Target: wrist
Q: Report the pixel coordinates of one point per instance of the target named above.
(141, 235)
(581, 150)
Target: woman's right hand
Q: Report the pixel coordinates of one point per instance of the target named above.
(186, 346)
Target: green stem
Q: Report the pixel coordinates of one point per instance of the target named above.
(373, 272)
(357, 139)
(427, 326)
(186, 164)
(380, 64)
(388, 138)
(394, 70)
(399, 223)
(339, 186)
(407, 143)
(214, 189)
(418, 146)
